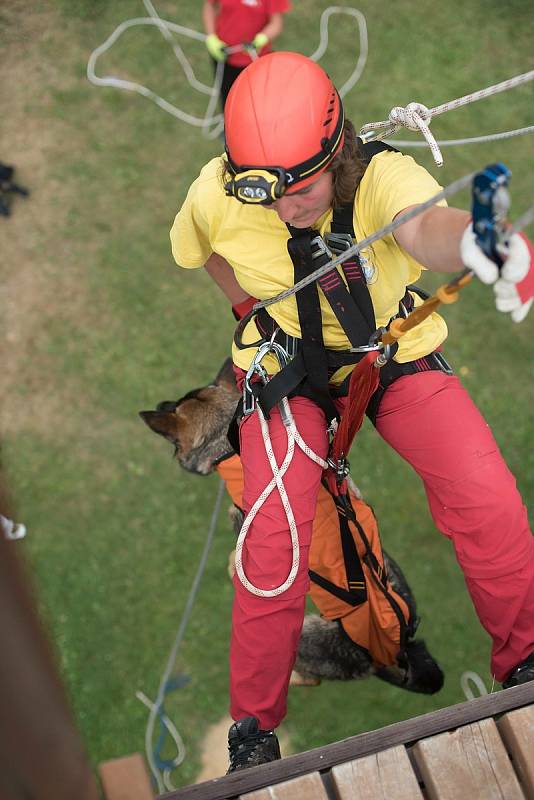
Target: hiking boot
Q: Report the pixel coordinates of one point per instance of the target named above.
(521, 674)
(248, 746)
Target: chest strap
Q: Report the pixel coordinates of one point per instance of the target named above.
(305, 259)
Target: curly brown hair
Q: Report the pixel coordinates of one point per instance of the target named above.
(347, 167)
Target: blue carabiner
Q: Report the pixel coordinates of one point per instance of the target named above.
(491, 202)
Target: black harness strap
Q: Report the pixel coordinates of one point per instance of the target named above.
(312, 366)
(309, 310)
(341, 238)
(356, 594)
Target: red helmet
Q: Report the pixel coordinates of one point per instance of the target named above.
(283, 126)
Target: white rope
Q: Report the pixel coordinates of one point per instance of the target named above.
(356, 74)
(211, 122)
(401, 219)
(293, 437)
(417, 117)
(474, 678)
(490, 137)
(469, 677)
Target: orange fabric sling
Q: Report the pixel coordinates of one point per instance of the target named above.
(374, 616)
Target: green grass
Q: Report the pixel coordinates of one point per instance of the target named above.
(115, 528)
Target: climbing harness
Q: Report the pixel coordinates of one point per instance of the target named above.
(309, 369)
(160, 767)
(417, 117)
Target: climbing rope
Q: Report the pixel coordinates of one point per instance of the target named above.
(211, 122)
(162, 768)
(469, 677)
(293, 438)
(355, 249)
(417, 117)
(491, 137)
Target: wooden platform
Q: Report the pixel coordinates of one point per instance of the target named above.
(479, 750)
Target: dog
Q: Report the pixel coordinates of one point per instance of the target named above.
(196, 425)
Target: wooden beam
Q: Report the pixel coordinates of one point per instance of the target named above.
(517, 731)
(381, 776)
(468, 762)
(323, 758)
(308, 787)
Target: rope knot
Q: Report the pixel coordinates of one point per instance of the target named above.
(412, 117)
(416, 117)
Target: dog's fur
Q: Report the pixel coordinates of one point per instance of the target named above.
(196, 425)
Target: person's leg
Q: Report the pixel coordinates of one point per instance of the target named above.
(229, 74)
(266, 631)
(432, 423)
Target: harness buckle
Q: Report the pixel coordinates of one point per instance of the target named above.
(340, 468)
(386, 353)
(320, 248)
(338, 242)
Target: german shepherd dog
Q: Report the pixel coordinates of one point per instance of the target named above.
(196, 425)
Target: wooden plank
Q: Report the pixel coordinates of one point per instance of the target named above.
(517, 730)
(309, 787)
(364, 744)
(126, 778)
(380, 776)
(468, 762)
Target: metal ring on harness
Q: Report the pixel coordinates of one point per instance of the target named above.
(375, 344)
(256, 368)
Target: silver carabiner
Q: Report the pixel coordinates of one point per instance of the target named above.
(256, 368)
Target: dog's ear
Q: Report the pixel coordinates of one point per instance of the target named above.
(226, 374)
(162, 422)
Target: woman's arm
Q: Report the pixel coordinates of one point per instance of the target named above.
(433, 238)
(209, 16)
(442, 240)
(222, 273)
(274, 27)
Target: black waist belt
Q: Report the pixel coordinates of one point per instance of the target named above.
(291, 380)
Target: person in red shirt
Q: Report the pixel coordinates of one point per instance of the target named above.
(227, 23)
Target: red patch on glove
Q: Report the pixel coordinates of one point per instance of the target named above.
(525, 288)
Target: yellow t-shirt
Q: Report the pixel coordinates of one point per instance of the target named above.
(253, 241)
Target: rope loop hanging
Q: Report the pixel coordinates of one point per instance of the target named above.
(417, 117)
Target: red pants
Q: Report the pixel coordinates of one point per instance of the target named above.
(429, 419)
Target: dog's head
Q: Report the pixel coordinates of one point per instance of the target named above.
(197, 423)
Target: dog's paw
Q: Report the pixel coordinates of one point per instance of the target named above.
(231, 564)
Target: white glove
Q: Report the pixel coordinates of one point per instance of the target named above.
(507, 299)
(514, 270)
